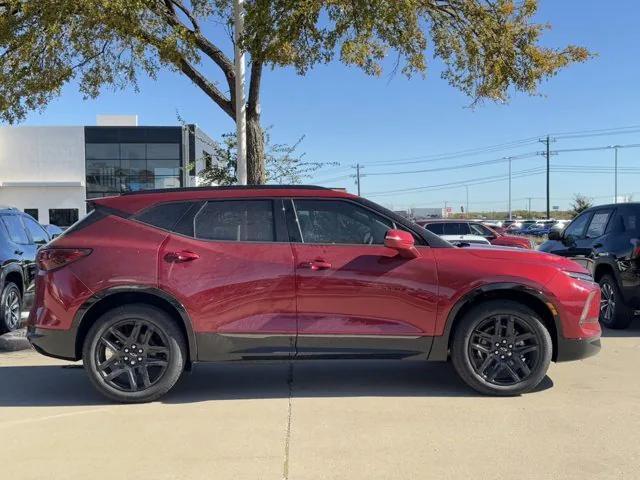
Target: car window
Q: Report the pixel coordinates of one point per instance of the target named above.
(245, 220)
(479, 229)
(576, 227)
(598, 224)
(624, 221)
(38, 234)
(15, 229)
(339, 222)
(435, 228)
(165, 215)
(456, 228)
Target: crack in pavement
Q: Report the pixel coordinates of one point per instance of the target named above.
(287, 438)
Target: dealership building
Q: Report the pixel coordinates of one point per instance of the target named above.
(50, 172)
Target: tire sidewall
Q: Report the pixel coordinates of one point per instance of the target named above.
(4, 325)
(462, 337)
(160, 320)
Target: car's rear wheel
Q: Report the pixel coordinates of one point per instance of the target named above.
(501, 347)
(10, 308)
(134, 353)
(613, 312)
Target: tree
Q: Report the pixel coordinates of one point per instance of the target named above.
(284, 165)
(488, 47)
(580, 204)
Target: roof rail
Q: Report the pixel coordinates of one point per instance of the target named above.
(228, 187)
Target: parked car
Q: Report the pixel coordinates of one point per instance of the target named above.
(606, 240)
(53, 230)
(20, 238)
(459, 230)
(151, 282)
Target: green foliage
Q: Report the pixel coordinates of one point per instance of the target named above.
(580, 204)
(284, 165)
(487, 46)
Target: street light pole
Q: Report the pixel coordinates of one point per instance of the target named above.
(509, 158)
(467, 206)
(240, 106)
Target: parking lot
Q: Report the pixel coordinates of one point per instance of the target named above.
(326, 420)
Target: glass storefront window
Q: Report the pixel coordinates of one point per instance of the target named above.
(121, 167)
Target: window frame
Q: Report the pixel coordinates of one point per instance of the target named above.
(589, 215)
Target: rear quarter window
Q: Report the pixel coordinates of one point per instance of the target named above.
(165, 215)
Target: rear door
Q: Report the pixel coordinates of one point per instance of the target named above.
(354, 295)
(228, 262)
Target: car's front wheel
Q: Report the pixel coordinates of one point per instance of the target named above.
(501, 347)
(10, 308)
(613, 312)
(134, 353)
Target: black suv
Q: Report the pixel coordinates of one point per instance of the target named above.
(606, 240)
(20, 238)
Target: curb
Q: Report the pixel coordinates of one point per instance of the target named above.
(14, 341)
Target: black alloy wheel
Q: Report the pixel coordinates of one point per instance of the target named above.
(613, 311)
(10, 308)
(504, 349)
(501, 347)
(134, 353)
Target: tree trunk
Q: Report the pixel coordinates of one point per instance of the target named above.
(255, 151)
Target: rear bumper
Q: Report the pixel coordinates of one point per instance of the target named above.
(52, 342)
(570, 349)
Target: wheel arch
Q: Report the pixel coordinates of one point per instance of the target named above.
(603, 268)
(13, 274)
(118, 296)
(526, 295)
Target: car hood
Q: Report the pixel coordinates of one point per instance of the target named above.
(525, 256)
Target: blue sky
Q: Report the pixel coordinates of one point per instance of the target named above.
(348, 117)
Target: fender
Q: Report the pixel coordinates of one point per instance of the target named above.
(440, 347)
(146, 289)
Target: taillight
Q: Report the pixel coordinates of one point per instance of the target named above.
(53, 258)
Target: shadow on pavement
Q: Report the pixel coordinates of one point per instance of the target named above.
(58, 386)
(632, 331)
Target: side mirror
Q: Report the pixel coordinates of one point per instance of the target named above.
(555, 235)
(402, 242)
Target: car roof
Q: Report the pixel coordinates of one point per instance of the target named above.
(132, 202)
(448, 220)
(612, 205)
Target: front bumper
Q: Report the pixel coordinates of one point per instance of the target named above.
(577, 349)
(53, 343)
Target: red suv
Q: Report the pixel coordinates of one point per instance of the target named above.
(150, 283)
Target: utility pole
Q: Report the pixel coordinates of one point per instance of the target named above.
(358, 167)
(467, 205)
(548, 179)
(509, 158)
(529, 210)
(240, 106)
(616, 175)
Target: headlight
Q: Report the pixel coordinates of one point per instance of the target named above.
(585, 277)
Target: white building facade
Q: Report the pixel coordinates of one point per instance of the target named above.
(50, 172)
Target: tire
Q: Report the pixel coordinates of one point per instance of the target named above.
(160, 351)
(614, 313)
(10, 308)
(525, 350)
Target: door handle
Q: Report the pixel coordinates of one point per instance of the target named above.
(18, 252)
(316, 265)
(181, 257)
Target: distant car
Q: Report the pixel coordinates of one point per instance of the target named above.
(20, 238)
(53, 230)
(606, 240)
(455, 230)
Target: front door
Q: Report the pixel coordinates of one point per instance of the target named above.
(355, 297)
(236, 280)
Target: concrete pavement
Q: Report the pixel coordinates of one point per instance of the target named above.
(326, 420)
